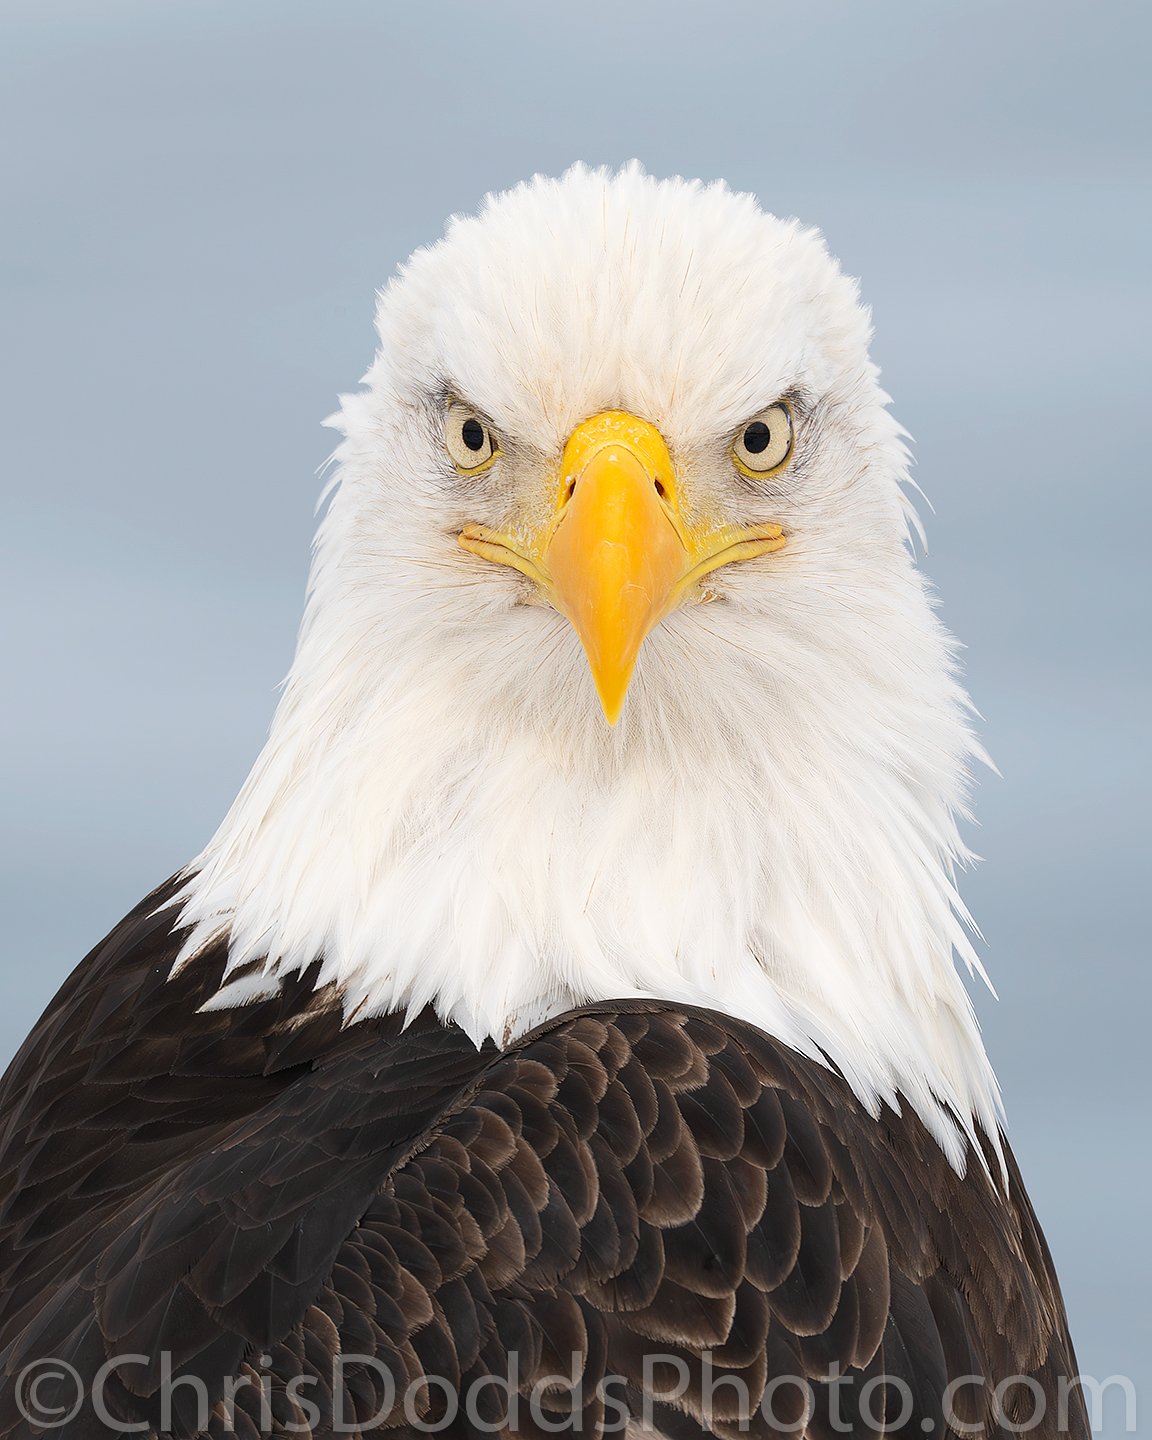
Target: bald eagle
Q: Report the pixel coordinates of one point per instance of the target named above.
(563, 1031)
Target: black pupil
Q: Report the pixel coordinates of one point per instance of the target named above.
(472, 433)
(757, 437)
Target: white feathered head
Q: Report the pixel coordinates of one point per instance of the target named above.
(617, 675)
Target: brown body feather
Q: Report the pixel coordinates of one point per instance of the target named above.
(252, 1192)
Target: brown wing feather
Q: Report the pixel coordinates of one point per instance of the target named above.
(258, 1191)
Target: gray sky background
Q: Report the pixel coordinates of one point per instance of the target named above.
(197, 201)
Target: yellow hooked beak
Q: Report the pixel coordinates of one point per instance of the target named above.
(616, 556)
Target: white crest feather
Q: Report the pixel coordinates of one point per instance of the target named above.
(441, 812)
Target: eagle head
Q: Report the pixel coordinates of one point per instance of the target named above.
(617, 674)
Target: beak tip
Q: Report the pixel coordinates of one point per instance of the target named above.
(612, 700)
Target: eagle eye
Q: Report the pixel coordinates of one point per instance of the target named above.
(469, 440)
(763, 445)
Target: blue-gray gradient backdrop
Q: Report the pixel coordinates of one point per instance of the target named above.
(199, 200)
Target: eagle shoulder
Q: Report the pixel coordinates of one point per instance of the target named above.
(644, 1199)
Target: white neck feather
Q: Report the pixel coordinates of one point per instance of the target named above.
(790, 864)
